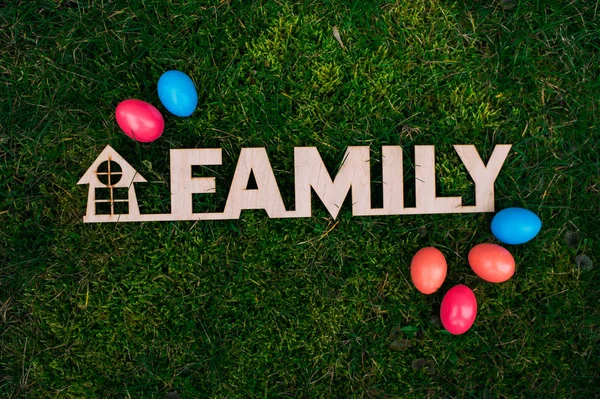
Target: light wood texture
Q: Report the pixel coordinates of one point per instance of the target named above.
(353, 177)
(129, 176)
(183, 185)
(426, 199)
(484, 176)
(266, 196)
(310, 173)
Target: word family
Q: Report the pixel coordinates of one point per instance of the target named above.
(310, 174)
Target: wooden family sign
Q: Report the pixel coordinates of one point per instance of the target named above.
(112, 197)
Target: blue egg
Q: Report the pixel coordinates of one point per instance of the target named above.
(177, 93)
(515, 225)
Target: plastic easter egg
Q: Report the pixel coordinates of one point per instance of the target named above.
(428, 270)
(458, 310)
(177, 93)
(139, 120)
(515, 225)
(492, 262)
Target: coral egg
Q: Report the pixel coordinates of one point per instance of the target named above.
(492, 262)
(428, 270)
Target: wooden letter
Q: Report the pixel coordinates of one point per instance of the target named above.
(311, 172)
(183, 185)
(426, 199)
(483, 175)
(266, 196)
(393, 182)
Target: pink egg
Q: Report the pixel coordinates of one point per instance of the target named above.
(139, 120)
(458, 310)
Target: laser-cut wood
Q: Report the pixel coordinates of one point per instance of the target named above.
(353, 177)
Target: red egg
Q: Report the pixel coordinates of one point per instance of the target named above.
(428, 270)
(458, 310)
(492, 262)
(139, 120)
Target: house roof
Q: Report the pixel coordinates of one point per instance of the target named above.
(130, 175)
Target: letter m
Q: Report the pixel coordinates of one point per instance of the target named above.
(354, 173)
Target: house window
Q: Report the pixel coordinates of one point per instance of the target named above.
(111, 200)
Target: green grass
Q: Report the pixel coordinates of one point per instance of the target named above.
(310, 307)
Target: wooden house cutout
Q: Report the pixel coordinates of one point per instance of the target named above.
(116, 188)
